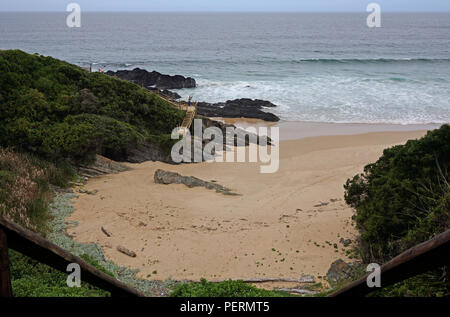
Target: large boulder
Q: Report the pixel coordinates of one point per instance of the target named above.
(238, 108)
(340, 272)
(154, 79)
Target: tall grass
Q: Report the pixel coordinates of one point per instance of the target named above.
(25, 182)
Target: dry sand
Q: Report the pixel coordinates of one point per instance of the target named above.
(273, 230)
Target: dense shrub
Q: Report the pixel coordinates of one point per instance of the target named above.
(25, 194)
(56, 109)
(430, 284)
(402, 200)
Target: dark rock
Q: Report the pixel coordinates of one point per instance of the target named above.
(166, 178)
(147, 151)
(345, 242)
(170, 94)
(239, 108)
(240, 133)
(101, 166)
(154, 79)
(340, 271)
(165, 93)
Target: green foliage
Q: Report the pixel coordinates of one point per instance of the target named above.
(52, 115)
(89, 259)
(33, 279)
(25, 194)
(402, 200)
(430, 284)
(223, 289)
(58, 110)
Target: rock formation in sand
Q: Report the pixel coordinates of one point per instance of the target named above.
(166, 178)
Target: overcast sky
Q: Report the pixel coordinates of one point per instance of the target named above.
(225, 5)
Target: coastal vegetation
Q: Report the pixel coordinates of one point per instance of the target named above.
(402, 200)
(60, 111)
(223, 289)
(55, 115)
(25, 194)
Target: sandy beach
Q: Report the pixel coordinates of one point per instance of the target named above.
(282, 225)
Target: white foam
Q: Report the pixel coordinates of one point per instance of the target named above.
(338, 99)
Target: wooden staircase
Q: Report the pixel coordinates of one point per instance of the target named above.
(191, 112)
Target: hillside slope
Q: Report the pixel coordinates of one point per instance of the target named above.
(58, 110)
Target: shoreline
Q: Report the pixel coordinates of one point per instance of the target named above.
(295, 130)
(283, 226)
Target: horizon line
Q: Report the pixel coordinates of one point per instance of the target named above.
(214, 11)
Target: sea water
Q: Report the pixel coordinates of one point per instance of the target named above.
(316, 67)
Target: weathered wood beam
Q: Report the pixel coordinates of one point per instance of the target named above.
(419, 259)
(44, 251)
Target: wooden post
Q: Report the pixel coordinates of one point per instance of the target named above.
(5, 276)
(419, 259)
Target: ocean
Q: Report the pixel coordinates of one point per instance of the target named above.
(316, 67)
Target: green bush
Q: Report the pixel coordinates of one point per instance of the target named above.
(402, 200)
(430, 284)
(58, 110)
(224, 289)
(33, 279)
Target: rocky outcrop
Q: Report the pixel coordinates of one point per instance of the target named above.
(345, 242)
(160, 83)
(154, 79)
(170, 94)
(101, 166)
(147, 151)
(166, 178)
(238, 108)
(240, 133)
(340, 271)
(165, 93)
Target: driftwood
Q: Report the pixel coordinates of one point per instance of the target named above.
(297, 291)
(106, 232)
(126, 251)
(44, 251)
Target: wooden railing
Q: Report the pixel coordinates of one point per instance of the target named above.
(191, 111)
(419, 259)
(36, 247)
(426, 256)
